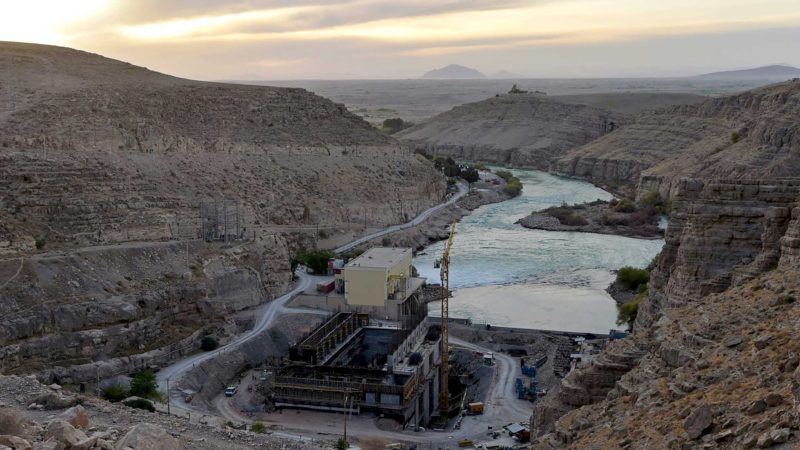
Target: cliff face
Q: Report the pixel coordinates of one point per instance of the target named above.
(103, 168)
(714, 357)
(523, 130)
(751, 135)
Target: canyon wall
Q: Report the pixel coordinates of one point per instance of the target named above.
(714, 340)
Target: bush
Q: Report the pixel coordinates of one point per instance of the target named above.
(513, 188)
(734, 137)
(626, 313)
(316, 260)
(144, 385)
(258, 427)
(566, 216)
(341, 444)
(392, 126)
(208, 343)
(631, 277)
(40, 243)
(115, 393)
(140, 403)
(505, 175)
(625, 206)
(470, 175)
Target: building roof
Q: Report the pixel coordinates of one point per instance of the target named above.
(380, 257)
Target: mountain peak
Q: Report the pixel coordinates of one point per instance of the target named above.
(774, 71)
(454, 71)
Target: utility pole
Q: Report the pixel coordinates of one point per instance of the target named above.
(168, 401)
(344, 434)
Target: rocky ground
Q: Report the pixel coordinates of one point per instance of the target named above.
(596, 217)
(34, 416)
(713, 359)
(750, 135)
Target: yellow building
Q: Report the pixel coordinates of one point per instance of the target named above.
(380, 282)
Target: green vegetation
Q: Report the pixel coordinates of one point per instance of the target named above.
(258, 427)
(566, 216)
(734, 137)
(115, 393)
(140, 403)
(654, 200)
(40, 242)
(144, 385)
(394, 125)
(632, 278)
(470, 175)
(208, 343)
(316, 260)
(513, 185)
(624, 206)
(341, 444)
(626, 313)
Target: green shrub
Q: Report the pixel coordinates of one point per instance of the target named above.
(140, 403)
(470, 175)
(258, 427)
(40, 243)
(513, 188)
(341, 444)
(144, 385)
(734, 137)
(393, 125)
(626, 313)
(625, 206)
(316, 260)
(115, 393)
(505, 175)
(631, 277)
(208, 343)
(566, 216)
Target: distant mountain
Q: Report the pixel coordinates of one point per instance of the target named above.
(777, 72)
(453, 71)
(507, 74)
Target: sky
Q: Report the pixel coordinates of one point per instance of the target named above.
(354, 39)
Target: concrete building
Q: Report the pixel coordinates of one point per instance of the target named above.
(377, 351)
(380, 283)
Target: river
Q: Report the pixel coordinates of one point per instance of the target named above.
(507, 275)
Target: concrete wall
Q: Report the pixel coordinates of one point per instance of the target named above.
(365, 286)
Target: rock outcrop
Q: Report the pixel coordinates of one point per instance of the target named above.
(750, 135)
(714, 351)
(522, 130)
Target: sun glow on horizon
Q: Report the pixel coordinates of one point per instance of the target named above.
(47, 21)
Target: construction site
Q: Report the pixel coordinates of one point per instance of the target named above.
(378, 353)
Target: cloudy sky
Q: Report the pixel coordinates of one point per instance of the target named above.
(271, 39)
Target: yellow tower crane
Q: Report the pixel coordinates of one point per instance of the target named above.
(444, 272)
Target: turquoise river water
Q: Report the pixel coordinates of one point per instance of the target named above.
(507, 275)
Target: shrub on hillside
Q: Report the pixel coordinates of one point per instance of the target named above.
(566, 216)
(258, 427)
(144, 385)
(115, 393)
(316, 260)
(625, 206)
(631, 278)
(140, 403)
(470, 175)
(208, 343)
(626, 313)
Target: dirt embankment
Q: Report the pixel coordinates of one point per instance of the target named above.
(597, 217)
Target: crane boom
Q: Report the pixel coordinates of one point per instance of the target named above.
(444, 272)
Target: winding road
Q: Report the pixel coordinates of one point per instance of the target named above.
(502, 404)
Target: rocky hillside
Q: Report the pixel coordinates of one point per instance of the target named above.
(94, 150)
(754, 134)
(103, 167)
(523, 130)
(714, 358)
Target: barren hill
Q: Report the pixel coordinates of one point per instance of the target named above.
(453, 72)
(527, 130)
(754, 134)
(773, 72)
(103, 168)
(95, 150)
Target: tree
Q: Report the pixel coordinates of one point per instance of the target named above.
(393, 125)
(144, 384)
(632, 278)
(470, 175)
(626, 313)
(208, 343)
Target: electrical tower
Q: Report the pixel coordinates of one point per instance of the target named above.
(444, 272)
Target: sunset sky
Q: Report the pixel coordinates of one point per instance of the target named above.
(271, 39)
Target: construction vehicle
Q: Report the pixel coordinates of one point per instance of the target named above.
(475, 408)
(444, 273)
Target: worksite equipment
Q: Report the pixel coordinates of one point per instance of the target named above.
(475, 408)
(444, 272)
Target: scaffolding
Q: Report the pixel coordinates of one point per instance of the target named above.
(220, 220)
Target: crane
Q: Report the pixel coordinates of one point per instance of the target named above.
(444, 272)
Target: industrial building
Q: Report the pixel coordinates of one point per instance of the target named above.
(377, 354)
